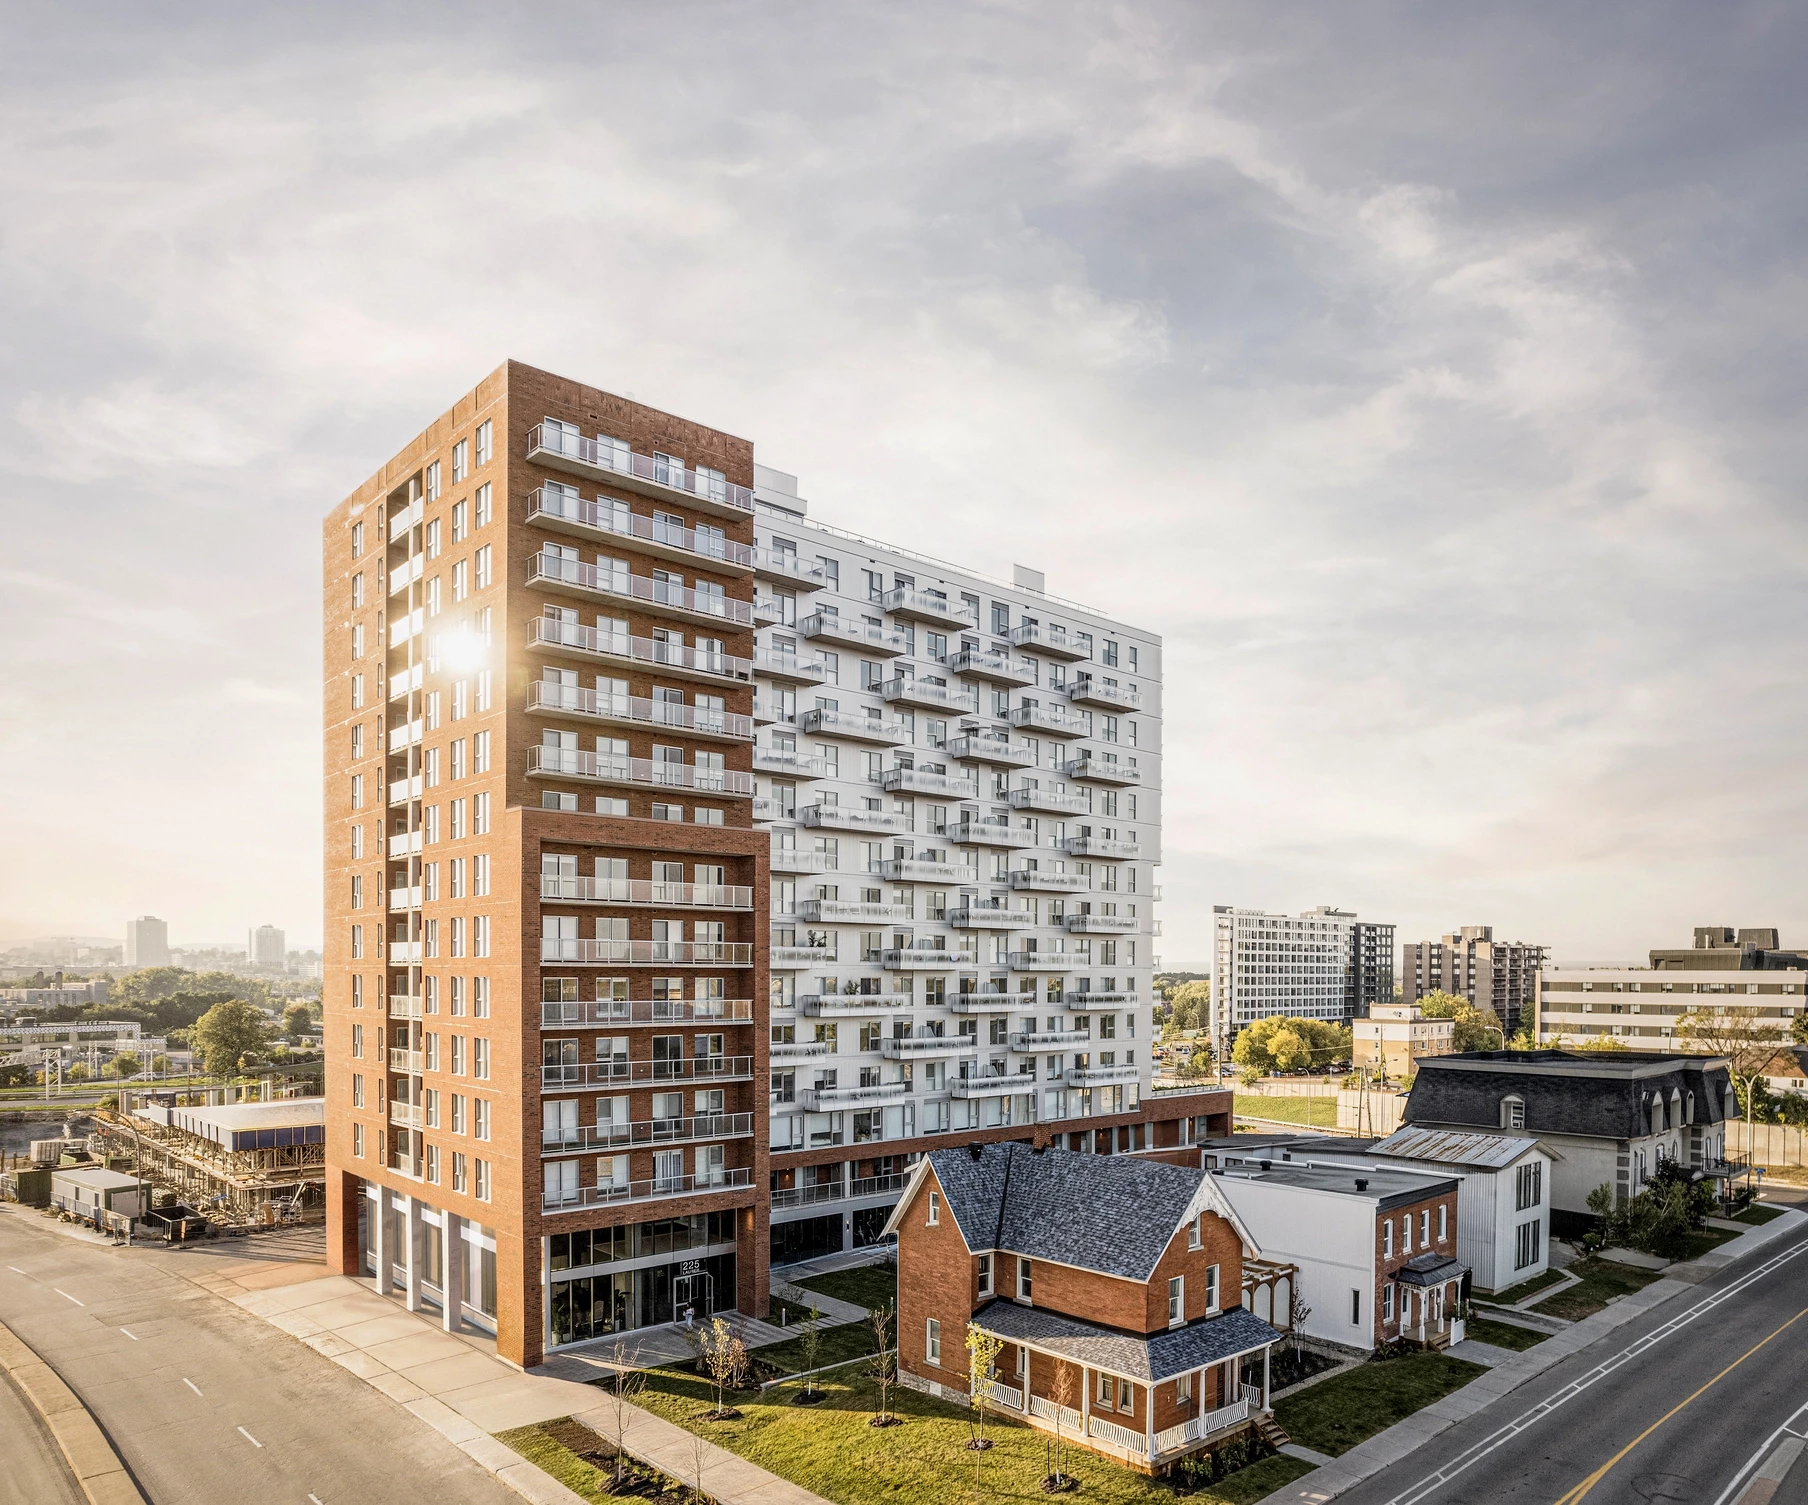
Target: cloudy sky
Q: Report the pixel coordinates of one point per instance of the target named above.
(1430, 376)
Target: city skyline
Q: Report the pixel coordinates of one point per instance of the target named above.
(1456, 449)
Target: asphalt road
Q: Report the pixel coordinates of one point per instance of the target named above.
(205, 1402)
(1688, 1403)
(32, 1471)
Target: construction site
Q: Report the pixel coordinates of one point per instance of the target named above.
(238, 1164)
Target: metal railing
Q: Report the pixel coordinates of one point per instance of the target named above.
(648, 1131)
(579, 890)
(554, 569)
(575, 700)
(562, 441)
(616, 517)
(825, 624)
(607, 768)
(551, 632)
(844, 817)
(843, 724)
(613, 1072)
(907, 690)
(584, 1011)
(646, 953)
(641, 1191)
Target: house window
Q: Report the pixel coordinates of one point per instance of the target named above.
(485, 439)
(1193, 1232)
(1107, 1392)
(1387, 1238)
(1023, 1279)
(1406, 1233)
(1512, 1113)
(932, 1341)
(1176, 1300)
(1356, 1308)
(985, 1275)
(1183, 1390)
(935, 1211)
(1211, 1288)
(1528, 1186)
(1126, 1398)
(1527, 1243)
(1425, 1227)
(1443, 1221)
(1387, 1302)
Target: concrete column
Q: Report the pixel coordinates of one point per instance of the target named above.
(380, 1243)
(452, 1269)
(411, 1241)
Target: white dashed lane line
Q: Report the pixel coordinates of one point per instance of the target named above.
(249, 1438)
(192, 1385)
(130, 1334)
(67, 1297)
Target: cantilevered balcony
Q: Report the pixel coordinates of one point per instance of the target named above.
(559, 446)
(991, 1084)
(576, 1075)
(676, 660)
(948, 700)
(798, 860)
(857, 728)
(1100, 770)
(916, 870)
(989, 833)
(848, 818)
(561, 510)
(928, 606)
(661, 597)
(1050, 642)
(1102, 690)
(1029, 1042)
(657, 1012)
(798, 1050)
(788, 668)
(1045, 881)
(578, 1198)
(1098, 1076)
(978, 916)
(801, 958)
(1085, 1002)
(989, 1001)
(701, 722)
(405, 898)
(919, 958)
(994, 668)
(1051, 801)
(1042, 961)
(846, 632)
(628, 891)
(852, 912)
(784, 566)
(929, 1047)
(1050, 720)
(854, 1005)
(787, 761)
(921, 781)
(580, 1138)
(823, 1099)
(1000, 752)
(1101, 924)
(1100, 846)
(401, 791)
(613, 953)
(607, 768)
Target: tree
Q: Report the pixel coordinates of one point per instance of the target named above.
(982, 1356)
(1747, 1043)
(1188, 1007)
(125, 1066)
(885, 1365)
(1297, 1313)
(1063, 1398)
(809, 1345)
(227, 1033)
(297, 1019)
(1279, 1043)
(1476, 1029)
(160, 1065)
(630, 1378)
(725, 1356)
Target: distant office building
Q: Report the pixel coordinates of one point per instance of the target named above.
(1393, 1036)
(267, 949)
(1744, 971)
(147, 942)
(1324, 964)
(62, 995)
(1491, 974)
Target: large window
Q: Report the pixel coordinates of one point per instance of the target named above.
(1528, 1244)
(1529, 1186)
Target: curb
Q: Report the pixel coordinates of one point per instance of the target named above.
(96, 1466)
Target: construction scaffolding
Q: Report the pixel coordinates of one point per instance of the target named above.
(240, 1166)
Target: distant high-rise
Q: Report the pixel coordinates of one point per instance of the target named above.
(1324, 964)
(147, 942)
(1491, 974)
(267, 949)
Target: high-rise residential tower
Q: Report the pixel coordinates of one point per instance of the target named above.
(267, 949)
(1491, 974)
(1323, 964)
(566, 1094)
(147, 942)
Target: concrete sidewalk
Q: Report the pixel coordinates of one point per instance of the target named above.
(1385, 1448)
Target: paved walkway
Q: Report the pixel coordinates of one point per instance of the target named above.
(785, 1283)
(1385, 1448)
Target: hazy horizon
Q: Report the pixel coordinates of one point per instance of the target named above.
(1429, 378)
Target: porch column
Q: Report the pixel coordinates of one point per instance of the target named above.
(379, 1240)
(412, 1241)
(1265, 1354)
(1149, 1423)
(452, 1271)
(1085, 1401)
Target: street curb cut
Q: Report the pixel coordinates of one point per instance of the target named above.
(97, 1467)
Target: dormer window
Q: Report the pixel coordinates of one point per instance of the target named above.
(1512, 1113)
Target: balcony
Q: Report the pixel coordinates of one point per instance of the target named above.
(614, 1073)
(402, 1006)
(646, 953)
(661, 597)
(792, 1050)
(405, 682)
(929, 1047)
(401, 521)
(858, 728)
(846, 632)
(921, 781)
(990, 917)
(994, 668)
(581, 1013)
(405, 898)
(406, 735)
(915, 870)
(1102, 771)
(788, 668)
(562, 510)
(808, 1196)
(767, 611)
(407, 1115)
(1050, 720)
(1083, 1002)
(402, 628)
(404, 953)
(1041, 881)
(1098, 1076)
(701, 722)
(990, 833)
(992, 1084)
(1100, 846)
(1050, 801)
(404, 575)
(997, 751)
(652, 1131)
(846, 818)
(559, 446)
(784, 566)
(824, 1099)
(800, 958)
(854, 1005)
(945, 699)
(606, 768)
(581, 1197)
(797, 860)
(401, 791)
(919, 959)
(623, 648)
(989, 1001)
(852, 912)
(577, 890)
(406, 1060)
(1101, 924)
(1092, 690)
(1051, 642)
(1042, 961)
(788, 762)
(1029, 1042)
(928, 606)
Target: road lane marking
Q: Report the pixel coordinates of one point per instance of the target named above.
(17, 1271)
(249, 1438)
(1788, 1429)
(67, 1297)
(1467, 1459)
(316, 1499)
(1580, 1491)
(192, 1385)
(132, 1335)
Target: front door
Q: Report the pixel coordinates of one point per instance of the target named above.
(695, 1290)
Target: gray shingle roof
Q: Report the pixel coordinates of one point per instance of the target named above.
(1598, 1095)
(1430, 1270)
(1179, 1350)
(1111, 1213)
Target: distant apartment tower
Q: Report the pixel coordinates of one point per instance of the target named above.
(147, 942)
(1491, 974)
(1323, 964)
(267, 949)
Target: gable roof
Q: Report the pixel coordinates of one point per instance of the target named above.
(1487, 1152)
(1114, 1214)
(1589, 1094)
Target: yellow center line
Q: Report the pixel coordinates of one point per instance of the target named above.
(1581, 1490)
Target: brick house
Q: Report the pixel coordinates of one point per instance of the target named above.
(1114, 1282)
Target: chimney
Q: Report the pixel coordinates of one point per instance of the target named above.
(1362, 1183)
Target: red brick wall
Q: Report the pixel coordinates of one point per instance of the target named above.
(937, 1277)
(1386, 1267)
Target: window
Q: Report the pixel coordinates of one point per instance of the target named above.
(1512, 1113)
(480, 753)
(1406, 1233)
(433, 482)
(461, 521)
(357, 1089)
(433, 1163)
(1425, 1227)
(1356, 1308)
(357, 692)
(357, 1041)
(357, 540)
(1183, 1390)
(1387, 1302)
(480, 823)
(1387, 1238)
(932, 1339)
(461, 460)
(1193, 1232)
(480, 1118)
(1443, 1221)
(1211, 1288)
(486, 565)
(483, 504)
(1529, 1186)
(357, 791)
(358, 588)
(1023, 1278)
(485, 441)
(935, 1210)
(481, 1180)
(985, 1275)
(358, 1140)
(480, 1058)
(1528, 1242)
(357, 943)
(1107, 1391)
(1176, 1300)
(357, 891)
(460, 1176)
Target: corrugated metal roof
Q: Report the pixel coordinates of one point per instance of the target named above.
(1454, 1147)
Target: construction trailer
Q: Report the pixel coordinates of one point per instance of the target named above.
(239, 1164)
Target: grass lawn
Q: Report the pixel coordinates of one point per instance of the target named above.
(1348, 1408)
(1703, 1240)
(1526, 1288)
(1502, 1334)
(848, 1341)
(1307, 1112)
(1601, 1279)
(564, 1465)
(1758, 1216)
(865, 1285)
(830, 1449)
